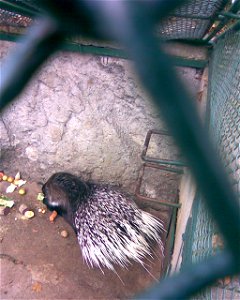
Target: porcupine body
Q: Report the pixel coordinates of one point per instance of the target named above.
(110, 228)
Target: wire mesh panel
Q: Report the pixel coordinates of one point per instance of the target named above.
(191, 20)
(202, 238)
(225, 104)
(198, 238)
(200, 8)
(13, 19)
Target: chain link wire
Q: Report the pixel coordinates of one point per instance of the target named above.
(202, 238)
(155, 70)
(190, 21)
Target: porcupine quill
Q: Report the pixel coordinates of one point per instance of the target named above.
(110, 228)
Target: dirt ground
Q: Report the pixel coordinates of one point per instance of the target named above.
(38, 263)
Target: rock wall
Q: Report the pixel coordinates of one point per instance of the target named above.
(83, 114)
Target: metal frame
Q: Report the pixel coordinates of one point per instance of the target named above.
(225, 17)
(167, 166)
(107, 51)
(119, 21)
(148, 200)
(158, 160)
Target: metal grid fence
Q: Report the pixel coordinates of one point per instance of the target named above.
(225, 103)
(202, 236)
(13, 19)
(119, 20)
(190, 21)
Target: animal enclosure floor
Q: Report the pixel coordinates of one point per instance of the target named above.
(38, 263)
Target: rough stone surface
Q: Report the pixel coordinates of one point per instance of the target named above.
(83, 114)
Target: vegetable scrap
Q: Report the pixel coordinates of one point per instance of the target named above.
(40, 196)
(18, 176)
(24, 210)
(4, 210)
(15, 182)
(20, 182)
(5, 201)
(11, 188)
(29, 214)
(5, 205)
(53, 216)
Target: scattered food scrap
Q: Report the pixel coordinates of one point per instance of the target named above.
(40, 196)
(42, 210)
(15, 182)
(22, 191)
(53, 216)
(5, 201)
(29, 214)
(4, 177)
(4, 210)
(18, 176)
(24, 210)
(37, 287)
(64, 233)
(10, 179)
(5, 207)
(11, 188)
(19, 182)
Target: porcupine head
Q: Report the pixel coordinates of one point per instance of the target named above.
(63, 193)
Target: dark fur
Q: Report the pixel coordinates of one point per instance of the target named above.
(64, 192)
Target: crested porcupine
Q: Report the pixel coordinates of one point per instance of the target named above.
(110, 228)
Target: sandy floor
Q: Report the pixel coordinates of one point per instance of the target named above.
(38, 263)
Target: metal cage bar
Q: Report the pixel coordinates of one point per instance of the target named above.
(155, 202)
(158, 160)
(119, 20)
(234, 9)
